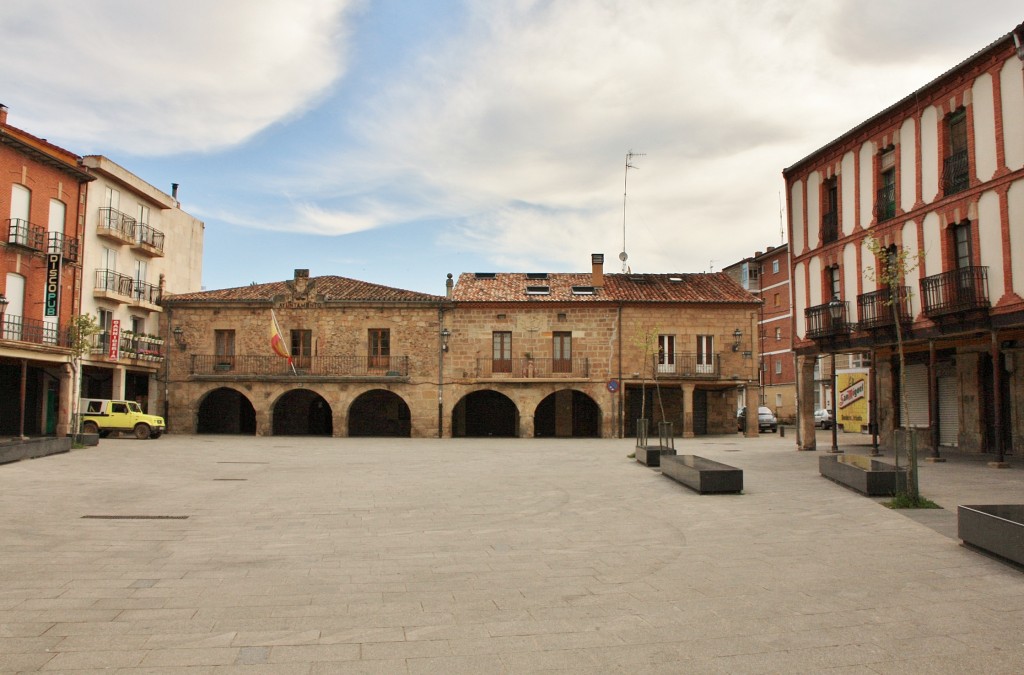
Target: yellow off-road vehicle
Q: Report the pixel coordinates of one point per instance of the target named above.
(102, 416)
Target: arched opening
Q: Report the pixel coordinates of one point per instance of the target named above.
(567, 414)
(379, 413)
(302, 412)
(226, 411)
(485, 413)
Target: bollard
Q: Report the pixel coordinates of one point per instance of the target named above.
(782, 432)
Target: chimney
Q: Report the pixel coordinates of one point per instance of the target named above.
(597, 269)
(3, 114)
(448, 286)
(174, 190)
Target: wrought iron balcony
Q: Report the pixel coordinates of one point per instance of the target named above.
(956, 173)
(955, 292)
(116, 225)
(149, 239)
(130, 346)
(828, 321)
(66, 246)
(885, 203)
(20, 329)
(111, 282)
(251, 365)
(144, 294)
(23, 233)
(829, 227)
(876, 309)
(687, 365)
(533, 367)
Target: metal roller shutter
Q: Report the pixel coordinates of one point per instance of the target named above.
(917, 397)
(949, 412)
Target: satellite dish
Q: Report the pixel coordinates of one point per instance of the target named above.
(623, 257)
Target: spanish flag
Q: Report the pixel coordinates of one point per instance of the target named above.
(276, 341)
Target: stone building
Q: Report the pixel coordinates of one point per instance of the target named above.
(517, 355)
(363, 359)
(938, 175)
(42, 190)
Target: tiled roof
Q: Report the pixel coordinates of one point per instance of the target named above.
(717, 287)
(328, 288)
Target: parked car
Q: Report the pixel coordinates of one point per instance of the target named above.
(102, 416)
(766, 420)
(823, 418)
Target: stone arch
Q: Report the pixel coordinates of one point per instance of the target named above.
(379, 412)
(226, 411)
(485, 413)
(567, 413)
(302, 412)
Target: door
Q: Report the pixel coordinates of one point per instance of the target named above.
(916, 412)
(705, 354)
(949, 411)
(302, 348)
(20, 200)
(13, 316)
(666, 353)
(700, 412)
(501, 352)
(561, 352)
(55, 227)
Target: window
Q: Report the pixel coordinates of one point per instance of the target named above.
(224, 349)
(962, 245)
(830, 204)
(561, 352)
(778, 401)
(776, 299)
(752, 272)
(705, 353)
(111, 204)
(138, 325)
(302, 347)
(778, 366)
(15, 292)
(955, 168)
(666, 353)
(141, 292)
(501, 351)
(379, 340)
(859, 360)
(20, 205)
(775, 267)
(834, 282)
(55, 227)
(885, 204)
(778, 334)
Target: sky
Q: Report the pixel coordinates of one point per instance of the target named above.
(397, 141)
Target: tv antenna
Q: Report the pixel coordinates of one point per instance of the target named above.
(629, 157)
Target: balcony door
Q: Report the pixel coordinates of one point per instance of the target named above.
(224, 349)
(302, 348)
(561, 352)
(380, 347)
(705, 354)
(666, 353)
(501, 352)
(20, 200)
(13, 315)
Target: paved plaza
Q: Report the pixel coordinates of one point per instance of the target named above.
(215, 554)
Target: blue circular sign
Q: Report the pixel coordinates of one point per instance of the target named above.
(613, 386)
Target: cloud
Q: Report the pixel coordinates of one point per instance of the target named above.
(152, 78)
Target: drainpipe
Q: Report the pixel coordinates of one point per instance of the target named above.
(620, 429)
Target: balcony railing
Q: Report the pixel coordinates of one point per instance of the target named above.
(149, 239)
(875, 309)
(23, 233)
(955, 173)
(114, 282)
(828, 321)
(885, 203)
(66, 246)
(687, 365)
(116, 225)
(829, 227)
(145, 293)
(20, 329)
(130, 346)
(315, 366)
(533, 367)
(957, 291)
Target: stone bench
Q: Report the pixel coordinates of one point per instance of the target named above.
(863, 474)
(995, 528)
(650, 455)
(701, 474)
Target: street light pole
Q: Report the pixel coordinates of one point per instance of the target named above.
(835, 310)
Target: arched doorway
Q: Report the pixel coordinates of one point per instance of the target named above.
(226, 411)
(567, 414)
(302, 412)
(485, 413)
(379, 413)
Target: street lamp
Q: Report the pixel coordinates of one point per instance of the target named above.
(445, 334)
(179, 338)
(835, 311)
(736, 335)
(3, 308)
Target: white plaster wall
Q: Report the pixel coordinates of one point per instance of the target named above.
(1011, 83)
(815, 281)
(929, 155)
(849, 186)
(796, 217)
(867, 276)
(932, 245)
(990, 239)
(867, 183)
(814, 210)
(908, 165)
(913, 277)
(799, 293)
(1015, 200)
(850, 279)
(984, 109)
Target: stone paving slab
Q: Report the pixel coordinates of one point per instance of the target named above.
(213, 554)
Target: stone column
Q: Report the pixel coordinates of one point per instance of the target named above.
(688, 410)
(526, 426)
(805, 406)
(64, 402)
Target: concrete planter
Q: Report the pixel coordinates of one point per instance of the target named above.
(32, 448)
(996, 528)
(650, 455)
(863, 474)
